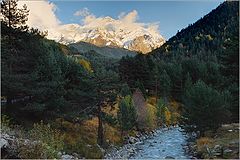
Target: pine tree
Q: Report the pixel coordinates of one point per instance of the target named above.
(140, 86)
(125, 90)
(48, 90)
(188, 82)
(230, 70)
(204, 108)
(165, 84)
(175, 71)
(161, 105)
(127, 114)
(13, 16)
(155, 81)
(104, 92)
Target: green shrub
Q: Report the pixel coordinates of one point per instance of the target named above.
(88, 151)
(127, 114)
(36, 151)
(45, 142)
(161, 111)
(5, 121)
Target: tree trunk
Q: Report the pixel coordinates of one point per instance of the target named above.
(100, 127)
(156, 91)
(9, 14)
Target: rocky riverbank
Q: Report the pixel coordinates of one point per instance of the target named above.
(129, 149)
(11, 145)
(221, 144)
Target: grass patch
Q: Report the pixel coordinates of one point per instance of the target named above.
(82, 138)
(227, 140)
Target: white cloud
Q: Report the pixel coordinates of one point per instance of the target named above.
(82, 12)
(88, 19)
(124, 20)
(130, 17)
(121, 15)
(42, 14)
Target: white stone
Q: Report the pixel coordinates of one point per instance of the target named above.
(66, 156)
(3, 142)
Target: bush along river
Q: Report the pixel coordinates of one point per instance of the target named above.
(164, 143)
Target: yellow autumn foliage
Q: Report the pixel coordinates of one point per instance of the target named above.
(152, 100)
(174, 106)
(203, 142)
(112, 110)
(151, 118)
(209, 37)
(65, 49)
(175, 117)
(113, 135)
(82, 137)
(78, 137)
(167, 116)
(86, 65)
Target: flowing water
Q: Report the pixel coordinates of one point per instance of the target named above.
(166, 143)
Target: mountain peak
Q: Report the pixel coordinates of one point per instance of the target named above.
(107, 31)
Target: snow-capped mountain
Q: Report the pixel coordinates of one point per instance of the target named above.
(111, 32)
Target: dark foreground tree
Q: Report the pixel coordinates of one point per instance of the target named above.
(230, 70)
(205, 108)
(105, 86)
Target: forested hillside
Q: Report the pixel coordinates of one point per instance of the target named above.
(44, 80)
(206, 37)
(41, 81)
(198, 67)
(110, 52)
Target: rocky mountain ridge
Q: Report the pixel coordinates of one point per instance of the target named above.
(111, 33)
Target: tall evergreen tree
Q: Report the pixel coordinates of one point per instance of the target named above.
(230, 70)
(140, 86)
(205, 108)
(125, 90)
(188, 83)
(127, 114)
(105, 86)
(165, 84)
(13, 16)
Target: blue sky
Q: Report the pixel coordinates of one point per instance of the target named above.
(171, 15)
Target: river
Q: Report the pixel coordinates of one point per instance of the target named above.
(165, 143)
